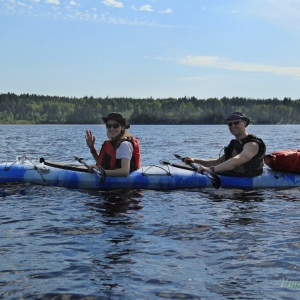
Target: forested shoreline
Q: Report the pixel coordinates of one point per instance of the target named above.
(39, 109)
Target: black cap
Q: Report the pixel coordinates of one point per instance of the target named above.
(117, 117)
(235, 115)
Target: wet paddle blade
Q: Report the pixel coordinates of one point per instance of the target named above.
(215, 179)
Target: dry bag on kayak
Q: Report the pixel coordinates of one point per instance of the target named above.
(284, 160)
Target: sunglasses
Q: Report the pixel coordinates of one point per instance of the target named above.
(115, 125)
(233, 123)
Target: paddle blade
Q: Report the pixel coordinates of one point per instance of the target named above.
(102, 174)
(178, 156)
(214, 178)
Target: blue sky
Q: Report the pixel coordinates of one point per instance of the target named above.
(151, 48)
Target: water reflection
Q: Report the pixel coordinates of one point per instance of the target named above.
(11, 189)
(117, 202)
(58, 296)
(238, 206)
(289, 194)
(240, 195)
(112, 262)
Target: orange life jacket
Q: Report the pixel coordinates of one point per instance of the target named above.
(107, 156)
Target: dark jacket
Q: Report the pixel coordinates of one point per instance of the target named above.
(253, 167)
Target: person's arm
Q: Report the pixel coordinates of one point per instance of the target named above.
(123, 171)
(249, 151)
(205, 162)
(90, 141)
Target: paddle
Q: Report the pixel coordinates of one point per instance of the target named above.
(100, 172)
(180, 166)
(214, 178)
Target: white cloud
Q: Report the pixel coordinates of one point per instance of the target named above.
(167, 11)
(113, 3)
(56, 2)
(226, 64)
(146, 7)
(71, 9)
(143, 8)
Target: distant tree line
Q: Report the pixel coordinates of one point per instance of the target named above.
(38, 109)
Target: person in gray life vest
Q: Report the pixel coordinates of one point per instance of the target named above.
(244, 156)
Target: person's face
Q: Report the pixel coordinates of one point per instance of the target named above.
(237, 127)
(113, 128)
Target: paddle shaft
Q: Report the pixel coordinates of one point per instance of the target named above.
(193, 165)
(82, 161)
(100, 173)
(214, 178)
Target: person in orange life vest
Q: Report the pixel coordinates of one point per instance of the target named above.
(242, 157)
(120, 154)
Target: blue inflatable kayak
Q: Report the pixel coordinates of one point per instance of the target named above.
(156, 177)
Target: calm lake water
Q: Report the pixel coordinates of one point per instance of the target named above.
(57, 243)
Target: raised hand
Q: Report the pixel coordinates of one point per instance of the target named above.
(90, 139)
